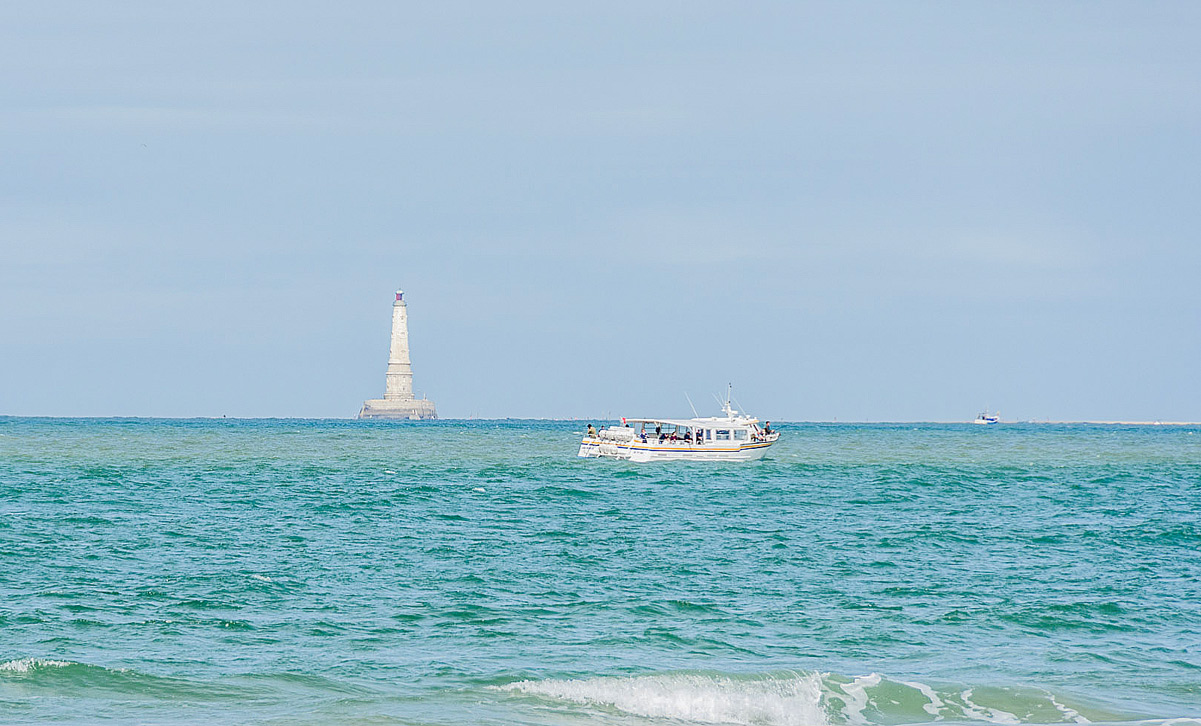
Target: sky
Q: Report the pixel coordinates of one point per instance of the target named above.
(850, 211)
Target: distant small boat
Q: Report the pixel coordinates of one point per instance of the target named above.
(986, 418)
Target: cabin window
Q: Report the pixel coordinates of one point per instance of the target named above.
(740, 434)
(723, 434)
(709, 434)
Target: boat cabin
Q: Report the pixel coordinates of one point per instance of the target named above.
(690, 432)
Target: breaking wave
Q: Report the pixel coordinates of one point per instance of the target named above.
(813, 699)
(25, 665)
(787, 699)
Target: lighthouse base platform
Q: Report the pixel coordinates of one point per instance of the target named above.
(414, 409)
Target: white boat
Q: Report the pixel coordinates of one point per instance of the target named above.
(733, 437)
(986, 418)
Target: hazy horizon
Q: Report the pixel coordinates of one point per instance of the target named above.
(586, 419)
(853, 212)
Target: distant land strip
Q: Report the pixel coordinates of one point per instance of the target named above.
(1126, 423)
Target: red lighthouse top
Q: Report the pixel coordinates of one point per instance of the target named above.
(400, 295)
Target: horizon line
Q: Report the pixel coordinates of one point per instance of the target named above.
(582, 418)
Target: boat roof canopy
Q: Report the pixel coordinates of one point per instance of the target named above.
(694, 422)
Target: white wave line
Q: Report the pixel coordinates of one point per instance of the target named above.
(984, 713)
(1069, 713)
(857, 697)
(935, 704)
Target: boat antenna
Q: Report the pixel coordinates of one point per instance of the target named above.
(729, 394)
(694, 413)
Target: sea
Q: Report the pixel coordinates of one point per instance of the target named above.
(293, 572)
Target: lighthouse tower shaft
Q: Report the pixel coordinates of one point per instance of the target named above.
(398, 401)
(398, 382)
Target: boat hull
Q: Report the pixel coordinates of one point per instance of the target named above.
(642, 452)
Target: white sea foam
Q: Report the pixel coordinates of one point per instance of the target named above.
(792, 700)
(984, 713)
(24, 665)
(1069, 713)
(934, 707)
(856, 692)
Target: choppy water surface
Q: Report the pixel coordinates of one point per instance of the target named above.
(332, 572)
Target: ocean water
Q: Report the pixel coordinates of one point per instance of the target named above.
(338, 572)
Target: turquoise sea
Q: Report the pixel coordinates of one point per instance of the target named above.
(477, 572)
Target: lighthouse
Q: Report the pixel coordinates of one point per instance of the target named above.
(398, 401)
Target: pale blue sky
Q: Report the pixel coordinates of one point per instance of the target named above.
(861, 211)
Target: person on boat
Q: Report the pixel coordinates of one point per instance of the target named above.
(688, 437)
(767, 428)
(591, 431)
(658, 430)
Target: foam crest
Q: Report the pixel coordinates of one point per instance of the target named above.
(785, 700)
(934, 704)
(977, 712)
(1069, 713)
(25, 665)
(856, 701)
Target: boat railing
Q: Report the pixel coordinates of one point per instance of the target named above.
(627, 434)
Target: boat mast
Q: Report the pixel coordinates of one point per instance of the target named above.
(729, 394)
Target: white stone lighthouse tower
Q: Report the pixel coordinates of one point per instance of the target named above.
(398, 400)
